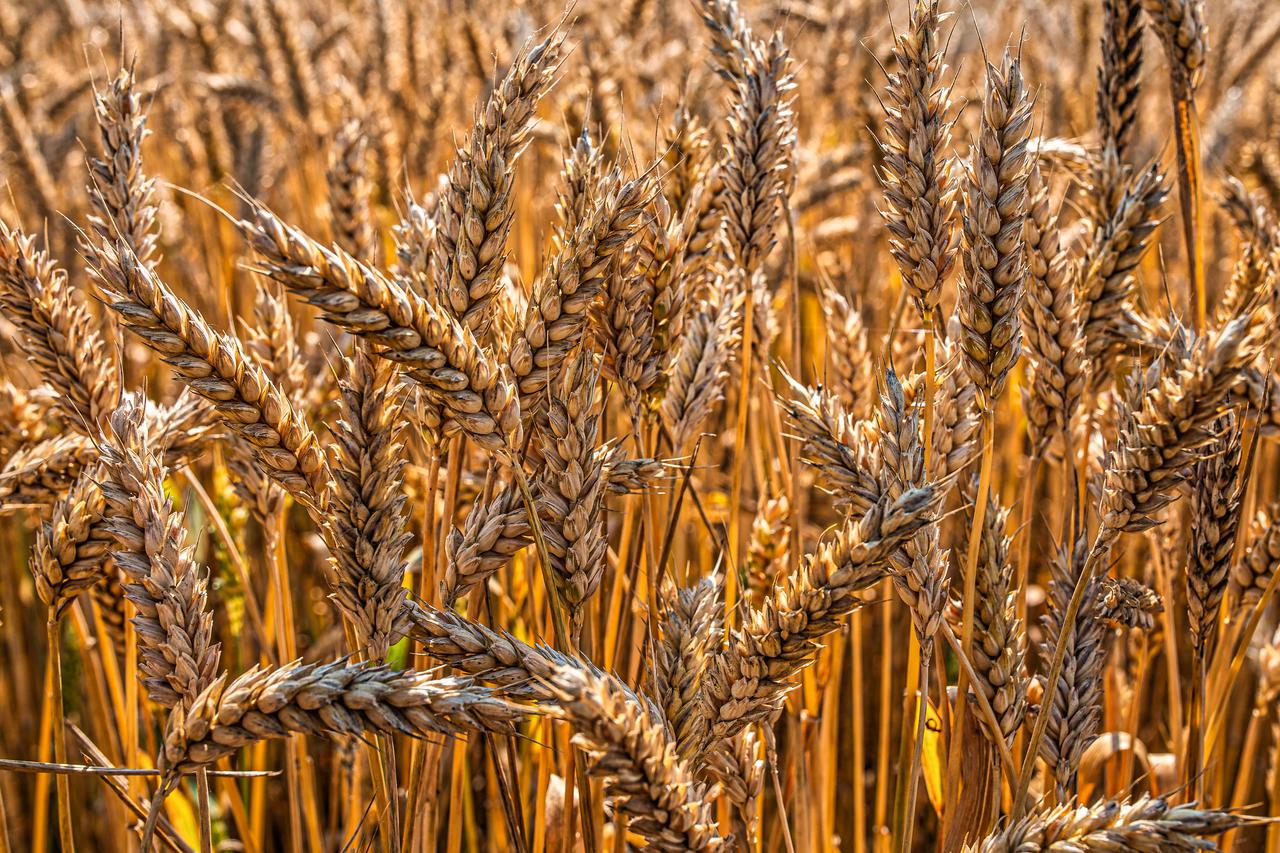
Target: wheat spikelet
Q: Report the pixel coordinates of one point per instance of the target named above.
(1181, 26)
(474, 214)
(687, 144)
(629, 476)
(920, 193)
(39, 474)
(731, 36)
(557, 315)
(999, 648)
(571, 487)
(690, 626)
(1126, 603)
(62, 341)
(748, 681)
(579, 178)
(1215, 514)
(1051, 315)
(920, 566)
(994, 252)
(1253, 572)
(838, 447)
(738, 769)
(175, 628)
(698, 377)
(1119, 244)
(1163, 431)
(1145, 824)
(71, 547)
(521, 670)
(767, 548)
(336, 698)
(120, 190)
(628, 744)
(957, 424)
(493, 533)
(216, 367)
(458, 373)
(415, 237)
(624, 327)
(367, 517)
(1119, 75)
(349, 192)
(757, 164)
(1074, 708)
(272, 339)
(850, 366)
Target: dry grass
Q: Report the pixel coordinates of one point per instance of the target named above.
(724, 425)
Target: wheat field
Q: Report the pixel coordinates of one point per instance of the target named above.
(709, 425)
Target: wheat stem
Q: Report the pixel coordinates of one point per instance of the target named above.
(53, 633)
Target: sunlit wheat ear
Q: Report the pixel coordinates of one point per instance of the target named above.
(1216, 498)
(71, 548)
(731, 36)
(1127, 603)
(1168, 426)
(273, 340)
(571, 486)
(329, 699)
(475, 212)
(749, 680)
(349, 190)
(120, 191)
(1074, 708)
(38, 474)
(492, 656)
(737, 767)
(920, 191)
(758, 162)
(686, 141)
(1119, 76)
(460, 376)
(1181, 26)
(920, 566)
(628, 744)
(700, 372)
(216, 367)
(1144, 824)
(368, 509)
(840, 449)
(555, 321)
(994, 249)
(178, 656)
(1118, 245)
(690, 627)
(1261, 558)
(956, 418)
(59, 332)
(1051, 323)
(1000, 639)
(494, 532)
(579, 177)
